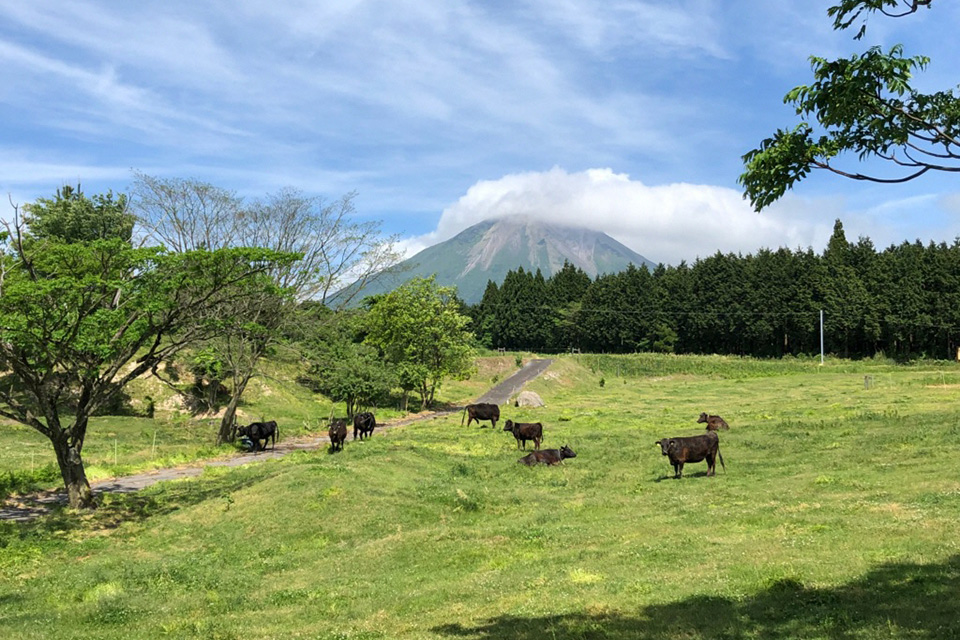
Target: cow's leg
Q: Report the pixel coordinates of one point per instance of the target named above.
(679, 468)
(536, 443)
(711, 465)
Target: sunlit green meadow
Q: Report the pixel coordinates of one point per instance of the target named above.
(837, 517)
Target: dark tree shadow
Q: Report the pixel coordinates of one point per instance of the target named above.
(116, 508)
(891, 601)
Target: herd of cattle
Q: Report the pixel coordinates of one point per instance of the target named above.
(679, 450)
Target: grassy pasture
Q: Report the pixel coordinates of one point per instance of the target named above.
(838, 517)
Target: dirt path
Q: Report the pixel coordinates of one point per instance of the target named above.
(30, 507)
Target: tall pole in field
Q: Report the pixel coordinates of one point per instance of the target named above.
(821, 336)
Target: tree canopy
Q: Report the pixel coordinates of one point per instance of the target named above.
(81, 317)
(418, 327)
(333, 247)
(864, 105)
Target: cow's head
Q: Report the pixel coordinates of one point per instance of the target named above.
(508, 426)
(244, 431)
(702, 418)
(566, 452)
(666, 445)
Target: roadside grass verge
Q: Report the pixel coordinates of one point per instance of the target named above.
(838, 516)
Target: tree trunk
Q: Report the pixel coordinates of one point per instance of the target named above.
(73, 474)
(226, 433)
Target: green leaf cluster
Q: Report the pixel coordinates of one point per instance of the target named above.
(863, 105)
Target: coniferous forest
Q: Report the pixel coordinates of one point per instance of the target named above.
(902, 302)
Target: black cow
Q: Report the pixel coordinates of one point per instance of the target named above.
(364, 424)
(337, 433)
(547, 456)
(693, 449)
(481, 411)
(257, 431)
(524, 431)
(713, 422)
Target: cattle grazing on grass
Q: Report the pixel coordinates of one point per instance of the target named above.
(481, 411)
(337, 433)
(524, 431)
(713, 422)
(363, 424)
(693, 449)
(547, 456)
(257, 431)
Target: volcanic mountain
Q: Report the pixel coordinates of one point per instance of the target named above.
(489, 249)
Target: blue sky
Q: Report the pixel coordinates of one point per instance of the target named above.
(629, 117)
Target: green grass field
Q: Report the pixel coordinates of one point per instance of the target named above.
(838, 517)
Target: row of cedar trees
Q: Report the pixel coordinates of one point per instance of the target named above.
(903, 302)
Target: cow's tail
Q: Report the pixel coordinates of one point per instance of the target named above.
(463, 414)
(720, 455)
(276, 435)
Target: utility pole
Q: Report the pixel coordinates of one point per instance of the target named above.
(821, 337)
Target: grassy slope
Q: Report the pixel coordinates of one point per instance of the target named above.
(837, 517)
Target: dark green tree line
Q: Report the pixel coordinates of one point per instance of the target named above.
(902, 301)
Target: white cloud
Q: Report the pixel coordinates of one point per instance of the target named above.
(665, 223)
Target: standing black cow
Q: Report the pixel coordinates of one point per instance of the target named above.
(547, 456)
(524, 431)
(257, 431)
(693, 449)
(338, 434)
(713, 422)
(481, 411)
(363, 424)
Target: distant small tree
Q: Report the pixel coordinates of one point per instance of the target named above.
(419, 328)
(341, 366)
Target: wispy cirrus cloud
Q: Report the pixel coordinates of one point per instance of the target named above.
(412, 104)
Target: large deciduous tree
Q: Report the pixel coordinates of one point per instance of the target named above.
(419, 328)
(333, 246)
(82, 313)
(863, 105)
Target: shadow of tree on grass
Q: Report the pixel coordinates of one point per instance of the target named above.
(891, 601)
(137, 506)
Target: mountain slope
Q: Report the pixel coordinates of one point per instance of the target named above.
(489, 249)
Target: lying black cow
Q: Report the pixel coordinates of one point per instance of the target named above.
(524, 431)
(257, 431)
(338, 434)
(364, 424)
(693, 449)
(481, 411)
(548, 456)
(713, 422)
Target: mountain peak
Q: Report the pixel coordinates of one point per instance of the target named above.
(491, 248)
